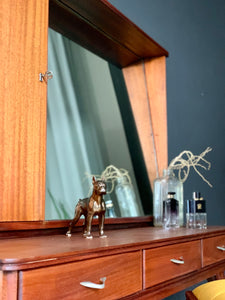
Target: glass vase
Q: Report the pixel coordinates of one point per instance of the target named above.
(126, 198)
(162, 186)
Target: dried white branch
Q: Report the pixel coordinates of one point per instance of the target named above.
(110, 175)
(183, 165)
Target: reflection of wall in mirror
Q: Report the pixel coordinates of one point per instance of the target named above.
(82, 136)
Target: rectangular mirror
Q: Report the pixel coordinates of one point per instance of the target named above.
(135, 60)
(86, 132)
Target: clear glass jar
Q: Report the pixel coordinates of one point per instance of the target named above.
(126, 198)
(162, 186)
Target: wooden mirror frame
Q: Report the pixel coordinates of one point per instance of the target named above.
(99, 27)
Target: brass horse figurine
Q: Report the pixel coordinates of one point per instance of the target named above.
(94, 205)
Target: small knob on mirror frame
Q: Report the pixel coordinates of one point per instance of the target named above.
(46, 76)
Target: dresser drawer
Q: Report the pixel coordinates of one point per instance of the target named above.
(122, 272)
(213, 250)
(167, 262)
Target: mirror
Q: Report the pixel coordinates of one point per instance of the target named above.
(89, 127)
(98, 26)
(128, 51)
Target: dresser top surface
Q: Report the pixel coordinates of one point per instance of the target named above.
(18, 251)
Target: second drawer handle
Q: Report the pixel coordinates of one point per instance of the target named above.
(177, 261)
(93, 285)
(222, 248)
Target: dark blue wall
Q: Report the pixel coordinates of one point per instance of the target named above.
(193, 31)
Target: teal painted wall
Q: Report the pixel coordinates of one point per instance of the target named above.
(193, 31)
(194, 34)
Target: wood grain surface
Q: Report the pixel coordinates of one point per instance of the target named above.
(123, 274)
(15, 253)
(158, 266)
(146, 86)
(127, 257)
(23, 42)
(211, 253)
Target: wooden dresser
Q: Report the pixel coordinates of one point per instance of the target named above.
(143, 263)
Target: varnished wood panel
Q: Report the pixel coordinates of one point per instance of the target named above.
(211, 253)
(117, 26)
(134, 76)
(146, 85)
(1, 284)
(158, 266)
(16, 253)
(123, 277)
(67, 261)
(170, 287)
(105, 31)
(63, 20)
(23, 48)
(8, 285)
(23, 37)
(53, 227)
(155, 70)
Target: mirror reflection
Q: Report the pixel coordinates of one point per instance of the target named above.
(85, 132)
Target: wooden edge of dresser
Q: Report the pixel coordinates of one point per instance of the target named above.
(124, 240)
(48, 227)
(177, 284)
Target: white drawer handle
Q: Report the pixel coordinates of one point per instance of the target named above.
(177, 261)
(222, 248)
(92, 285)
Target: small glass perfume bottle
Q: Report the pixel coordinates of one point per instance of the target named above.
(200, 211)
(162, 185)
(171, 212)
(110, 212)
(190, 214)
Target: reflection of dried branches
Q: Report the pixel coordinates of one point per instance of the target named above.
(110, 175)
(195, 161)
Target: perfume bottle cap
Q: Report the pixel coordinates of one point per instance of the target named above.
(191, 206)
(109, 203)
(196, 195)
(170, 195)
